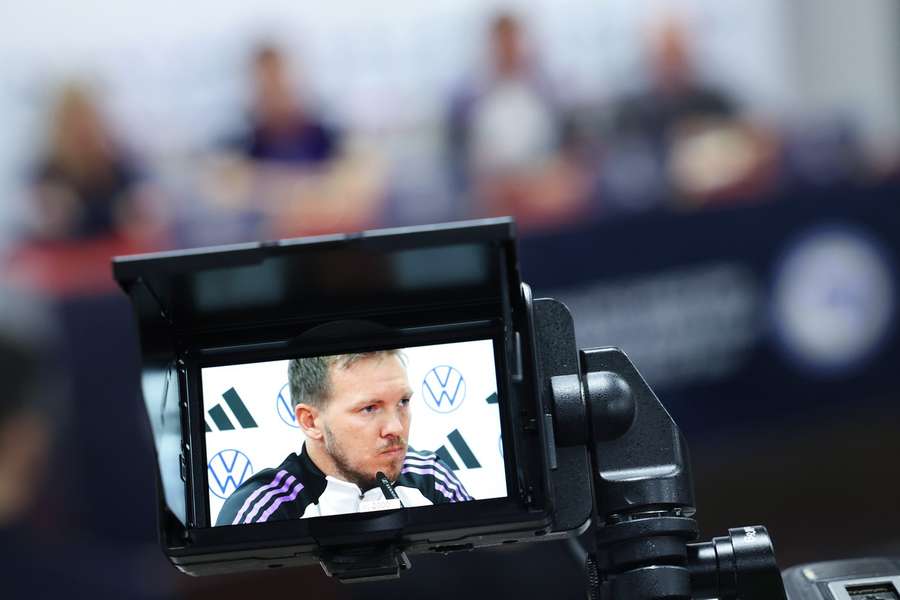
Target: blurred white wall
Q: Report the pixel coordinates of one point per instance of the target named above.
(848, 65)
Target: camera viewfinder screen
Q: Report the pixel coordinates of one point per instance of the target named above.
(350, 433)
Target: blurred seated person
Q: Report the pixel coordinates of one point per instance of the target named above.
(292, 168)
(506, 137)
(282, 129)
(86, 186)
(301, 173)
(712, 153)
(674, 94)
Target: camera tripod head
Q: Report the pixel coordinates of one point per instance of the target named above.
(643, 495)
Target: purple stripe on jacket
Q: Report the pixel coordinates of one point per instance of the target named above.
(265, 516)
(450, 486)
(432, 461)
(275, 483)
(265, 499)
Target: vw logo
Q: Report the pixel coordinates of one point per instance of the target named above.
(444, 389)
(283, 406)
(227, 471)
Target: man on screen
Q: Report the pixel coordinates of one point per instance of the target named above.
(354, 411)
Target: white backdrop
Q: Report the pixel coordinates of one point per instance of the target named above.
(453, 406)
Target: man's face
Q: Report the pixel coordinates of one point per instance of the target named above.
(366, 418)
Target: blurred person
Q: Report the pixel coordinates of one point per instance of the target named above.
(24, 431)
(27, 406)
(695, 131)
(674, 93)
(86, 185)
(48, 549)
(301, 173)
(283, 129)
(506, 135)
(354, 412)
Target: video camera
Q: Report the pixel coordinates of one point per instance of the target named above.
(512, 434)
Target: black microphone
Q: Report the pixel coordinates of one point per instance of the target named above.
(386, 488)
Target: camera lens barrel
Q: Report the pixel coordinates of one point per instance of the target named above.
(739, 565)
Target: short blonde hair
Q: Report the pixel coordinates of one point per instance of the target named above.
(309, 377)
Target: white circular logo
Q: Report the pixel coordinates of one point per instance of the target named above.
(227, 471)
(833, 300)
(444, 389)
(284, 408)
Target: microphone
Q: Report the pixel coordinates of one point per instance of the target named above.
(386, 488)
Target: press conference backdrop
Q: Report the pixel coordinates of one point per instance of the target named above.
(250, 424)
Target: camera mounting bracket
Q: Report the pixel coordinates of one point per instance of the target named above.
(643, 494)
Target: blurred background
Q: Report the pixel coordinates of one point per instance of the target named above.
(711, 186)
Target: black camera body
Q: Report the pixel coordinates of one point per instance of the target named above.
(338, 294)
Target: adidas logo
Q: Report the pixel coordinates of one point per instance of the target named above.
(220, 417)
(457, 448)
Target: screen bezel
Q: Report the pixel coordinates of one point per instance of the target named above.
(488, 512)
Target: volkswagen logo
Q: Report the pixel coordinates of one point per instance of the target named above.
(283, 406)
(444, 389)
(227, 471)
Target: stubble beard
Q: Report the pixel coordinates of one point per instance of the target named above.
(347, 472)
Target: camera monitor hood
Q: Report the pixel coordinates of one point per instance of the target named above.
(403, 288)
(241, 292)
